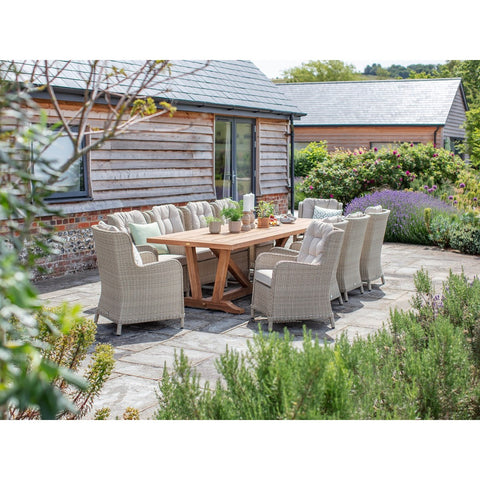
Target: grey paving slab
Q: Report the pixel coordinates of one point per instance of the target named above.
(143, 349)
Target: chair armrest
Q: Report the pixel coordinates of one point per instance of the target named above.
(165, 266)
(284, 251)
(296, 246)
(304, 276)
(147, 248)
(269, 260)
(148, 257)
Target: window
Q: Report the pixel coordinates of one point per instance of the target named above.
(74, 181)
(234, 157)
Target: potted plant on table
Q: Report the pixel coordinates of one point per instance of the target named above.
(264, 211)
(214, 224)
(234, 216)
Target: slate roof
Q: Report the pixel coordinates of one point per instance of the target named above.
(236, 84)
(377, 102)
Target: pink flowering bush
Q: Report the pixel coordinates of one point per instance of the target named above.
(346, 175)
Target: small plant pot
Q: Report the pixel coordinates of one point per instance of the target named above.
(215, 227)
(235, 226)
(263, 222)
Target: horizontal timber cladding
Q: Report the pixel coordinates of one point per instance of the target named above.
(456, 118)
(349, 138)
(159, 159)
(272, 146)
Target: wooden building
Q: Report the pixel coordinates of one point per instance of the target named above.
(229, 136)
(377, 113)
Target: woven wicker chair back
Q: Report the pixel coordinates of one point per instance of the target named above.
(307, 206)
(314, 242)
(122, 219)
(198, 212)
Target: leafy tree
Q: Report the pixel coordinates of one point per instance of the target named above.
(29, 380)
(321, 71)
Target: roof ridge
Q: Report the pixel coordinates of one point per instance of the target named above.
(391, 80)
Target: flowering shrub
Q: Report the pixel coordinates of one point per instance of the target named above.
(345, 175)
(406, 222)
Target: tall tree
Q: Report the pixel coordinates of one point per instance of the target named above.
(321, 71)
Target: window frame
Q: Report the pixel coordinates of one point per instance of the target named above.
(59, 197)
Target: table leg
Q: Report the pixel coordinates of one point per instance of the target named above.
(280, 242)
(193, 272)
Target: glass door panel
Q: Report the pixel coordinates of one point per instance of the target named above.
(243, 160)
(233, 157)
(223, 159)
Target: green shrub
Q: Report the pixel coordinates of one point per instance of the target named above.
(309, 157)
(345, 175)
(423, 366)
(68, 348)
(440, 227)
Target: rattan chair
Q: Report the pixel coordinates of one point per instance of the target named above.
(121, 221)
(371, 257)
(296, 287)
(134, 291)
(307, 206)
(338, 222)
(348, 270)
(170, 219)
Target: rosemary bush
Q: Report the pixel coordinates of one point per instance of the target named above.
(424, 365)
(67, 348)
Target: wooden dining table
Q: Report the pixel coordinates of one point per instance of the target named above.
(222, 245)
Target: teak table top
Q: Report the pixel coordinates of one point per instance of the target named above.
(222, 245)
(232, 241)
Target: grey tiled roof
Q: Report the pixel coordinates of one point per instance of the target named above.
(380, 102)
(235, 84)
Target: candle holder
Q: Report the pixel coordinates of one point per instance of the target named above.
(248, 221)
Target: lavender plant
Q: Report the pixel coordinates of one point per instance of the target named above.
(406, 223)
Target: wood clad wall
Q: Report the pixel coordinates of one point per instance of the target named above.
(272, 151)
(164, 160)
(350, 138)
(456, 118)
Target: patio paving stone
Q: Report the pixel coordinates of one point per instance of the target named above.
(142, 349)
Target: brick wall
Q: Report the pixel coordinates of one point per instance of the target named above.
(279, 199)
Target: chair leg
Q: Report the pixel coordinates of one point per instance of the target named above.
(97, 314)
(383, 279)
(332, 320)
(182, 321)
(340, 299)
(119, 329)
(369, 286)
(361, 289)
(345, 296)
(270, 325)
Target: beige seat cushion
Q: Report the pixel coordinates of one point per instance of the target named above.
(264, 276)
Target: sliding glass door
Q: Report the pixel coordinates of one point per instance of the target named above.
(234, 157)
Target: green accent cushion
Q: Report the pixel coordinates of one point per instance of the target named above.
(141, 231)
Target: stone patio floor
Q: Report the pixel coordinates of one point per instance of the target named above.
(143, 349)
